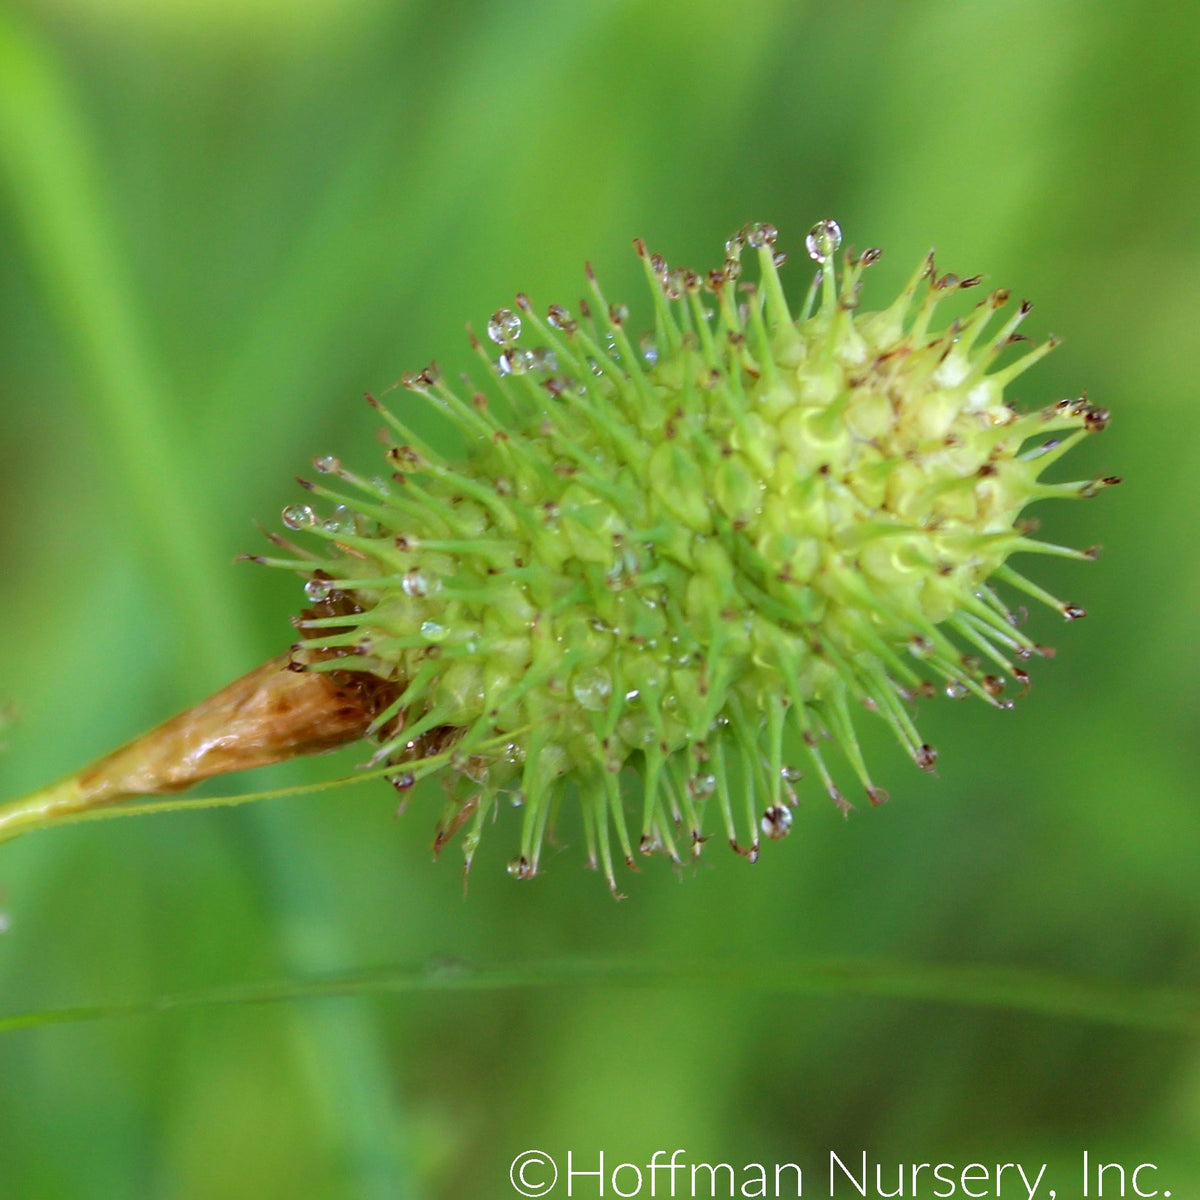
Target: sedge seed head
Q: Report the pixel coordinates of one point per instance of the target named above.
(690, 557)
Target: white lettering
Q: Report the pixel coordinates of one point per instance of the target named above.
(572, 1173)
(973, 1169)
(799, 1178)
(1030, 1188)
(860, 1186)
(637, 1187)
(712, 1176)
(1101, 1168)
(937, 1174)
(760, 1178)
(1136, 1172)
(655, 1166)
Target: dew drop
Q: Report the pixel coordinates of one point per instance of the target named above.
(521, 868)
(823, 241)
(505, 327)
(327, 464)
(318, 589)
(402, 783)
(649, 350)
(702, 785)
(515, 362)
(956, 689)
(417, 583)
(761, 235)
(544, 359)
(299, 516)
(342, 521)
(1073, 612)
(592, 688)
(926, 757)
(433, 631)
(777, 822)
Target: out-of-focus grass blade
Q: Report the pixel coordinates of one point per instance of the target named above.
(46, 160)
(1165, 1010)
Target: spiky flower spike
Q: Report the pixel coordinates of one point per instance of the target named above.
(669, 561)
(672, 557)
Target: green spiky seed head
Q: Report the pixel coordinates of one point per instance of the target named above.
(669, 563)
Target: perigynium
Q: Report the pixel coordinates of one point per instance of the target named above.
(671, 570)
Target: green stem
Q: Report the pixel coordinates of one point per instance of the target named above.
(1163, 1010)
(44, 807)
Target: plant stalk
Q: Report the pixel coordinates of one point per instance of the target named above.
(272, 714)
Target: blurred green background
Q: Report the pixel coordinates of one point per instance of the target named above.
(220, 223)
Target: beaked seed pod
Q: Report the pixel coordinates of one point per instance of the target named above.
(668, 565)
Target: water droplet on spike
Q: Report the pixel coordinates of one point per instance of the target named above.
(956, 689)
(318, 589)
(591, 688)
(505, 327)
(777, 822)
(761, 235)
(823, 241)
(433, 631)
(417, 583)
(342, 521)
(327, 464)
(521, 868)
(515, 362)
(299, 516)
